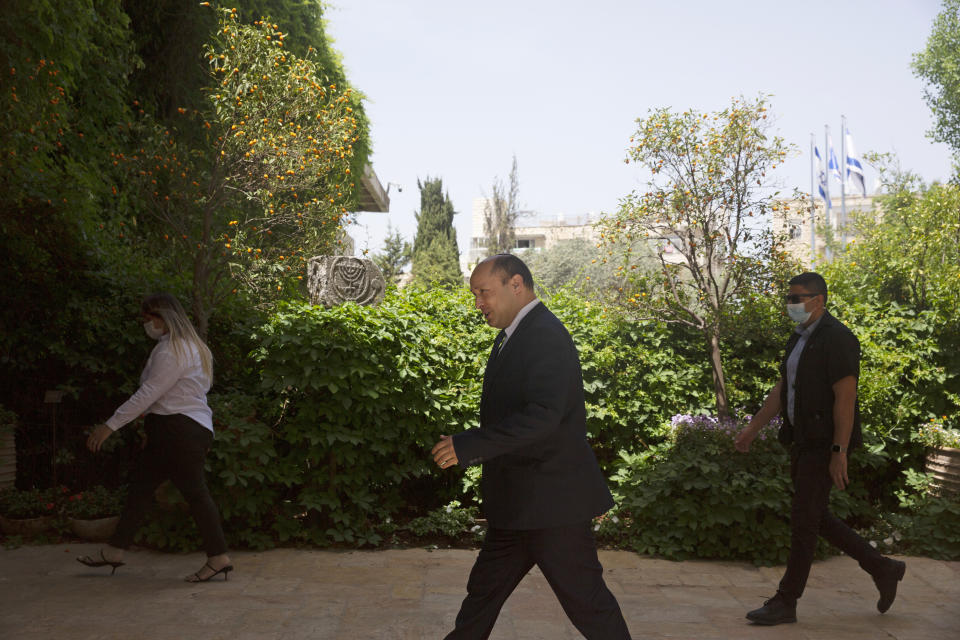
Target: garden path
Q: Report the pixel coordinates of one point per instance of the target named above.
(414, 594)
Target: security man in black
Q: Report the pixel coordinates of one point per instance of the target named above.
(816, 397)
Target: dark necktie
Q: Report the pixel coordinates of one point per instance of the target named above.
(498, 343)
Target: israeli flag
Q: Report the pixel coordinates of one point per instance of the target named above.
(832, 165)
(854, 168)
(821, 178)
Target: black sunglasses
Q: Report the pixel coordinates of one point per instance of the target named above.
(794, 298)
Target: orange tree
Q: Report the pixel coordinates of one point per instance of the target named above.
(265, 185)
(62, 92)
(706, 216)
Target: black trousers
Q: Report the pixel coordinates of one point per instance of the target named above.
(176, 448)
(810, 517)
(567, 556)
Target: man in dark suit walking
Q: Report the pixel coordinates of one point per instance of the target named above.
(541, 484)
(817, 398)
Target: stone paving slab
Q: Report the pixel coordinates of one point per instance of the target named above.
(414, 594)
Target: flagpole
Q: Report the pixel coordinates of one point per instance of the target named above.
(843, 182)
(813, 205)
(826, 155)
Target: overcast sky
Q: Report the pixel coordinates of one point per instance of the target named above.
(455, 89)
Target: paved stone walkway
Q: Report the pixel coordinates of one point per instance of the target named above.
(414, 595)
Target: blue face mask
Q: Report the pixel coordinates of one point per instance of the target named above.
(798, 313)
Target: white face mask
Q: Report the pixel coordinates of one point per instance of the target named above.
(797, 312)
(151, 330)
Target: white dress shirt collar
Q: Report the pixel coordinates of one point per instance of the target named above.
(516, 321)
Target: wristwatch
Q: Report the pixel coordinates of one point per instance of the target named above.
(838, 448)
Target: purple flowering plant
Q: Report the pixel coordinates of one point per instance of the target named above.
(721, 430)
(694, 495)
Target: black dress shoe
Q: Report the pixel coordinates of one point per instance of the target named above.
(776, 610)
(887, 583)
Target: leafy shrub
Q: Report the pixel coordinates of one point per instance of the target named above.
(906, 377)
(931, 524)
(334, 447)
(452, 521)
(246, 480)
(632, 373)
(337, 443)
(900, 351)
(96, 502)
(362, 394)
(695, 496)
(896, 288)
(30, 503)
(172, 530)
(755, 335)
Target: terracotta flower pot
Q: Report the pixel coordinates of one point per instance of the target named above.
(25, 526)
(944, 464)
(8, 459)
(96, 530)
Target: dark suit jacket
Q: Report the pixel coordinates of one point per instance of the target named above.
(832, 353)
(538, 468)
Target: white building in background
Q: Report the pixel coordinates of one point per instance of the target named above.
(532, 232)
(792, 220)
(795, 223)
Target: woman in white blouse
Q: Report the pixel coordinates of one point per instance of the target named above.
(173, 395)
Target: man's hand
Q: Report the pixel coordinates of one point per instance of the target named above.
(838, 470)
(98, 436)
(770, 408)
(745, 437)
(443, 452)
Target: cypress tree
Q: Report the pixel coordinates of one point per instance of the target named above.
(436, 259)
(395, 255)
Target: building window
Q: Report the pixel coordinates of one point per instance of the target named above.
(524, 243)
(794, 231)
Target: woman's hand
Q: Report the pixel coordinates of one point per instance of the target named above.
(99, 434)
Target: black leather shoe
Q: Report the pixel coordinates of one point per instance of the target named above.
(776, 610)
(887, 583)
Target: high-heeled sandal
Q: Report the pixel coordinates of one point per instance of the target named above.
(196, 576)
(102, 562)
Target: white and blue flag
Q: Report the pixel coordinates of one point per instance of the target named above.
(821, 178)
(854, 168)
(832, 165)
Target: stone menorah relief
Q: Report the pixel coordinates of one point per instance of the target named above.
(333, 280)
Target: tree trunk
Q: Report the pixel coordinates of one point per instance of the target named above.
(200, 315)
(716, 366)
(202, 300)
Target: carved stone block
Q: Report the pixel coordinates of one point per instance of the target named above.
(333, 280)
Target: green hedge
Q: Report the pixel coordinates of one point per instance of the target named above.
(695, 496)
(333, 448)
(352, 398)
(633, 375)
(335, 442)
